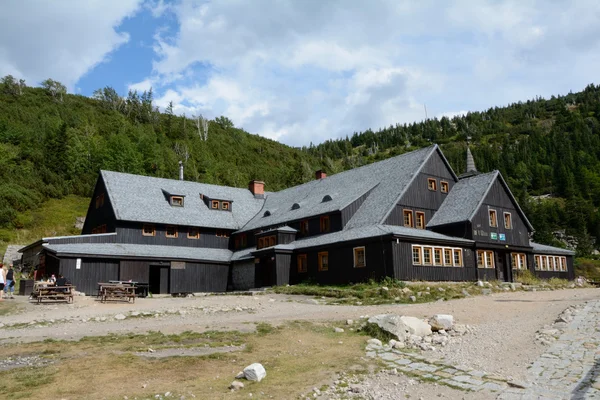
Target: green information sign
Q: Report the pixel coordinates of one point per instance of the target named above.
(494, 235)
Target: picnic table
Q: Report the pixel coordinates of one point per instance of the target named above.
(49, 291)
(116, 291)
(141, 288)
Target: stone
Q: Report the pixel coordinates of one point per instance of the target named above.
(406, 290)
(338, 330)
(349, 322)
(236, 385)
(480, 283)
(240, 375)
(399, 345)
(441, 289)
(486, 292)
(416, 326)
(439, 339)
(466, 293)
(392, 324)
(441, 322)
(518, 384)
(120, 317)
(413, 298)
(460, 329)
(255, 372)
(385, 288)
(392, 343)
(374, 342)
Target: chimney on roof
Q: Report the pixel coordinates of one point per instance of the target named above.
(320, 174)
(470, 162)
(180, 170)
(257, 188)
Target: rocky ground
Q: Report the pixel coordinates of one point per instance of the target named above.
(504, 332)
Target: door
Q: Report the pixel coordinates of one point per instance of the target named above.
(159, 279)
(265, 271)
(502, 267)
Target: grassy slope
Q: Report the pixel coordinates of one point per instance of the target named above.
(53, 218)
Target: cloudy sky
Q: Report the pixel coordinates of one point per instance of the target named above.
(302, 71)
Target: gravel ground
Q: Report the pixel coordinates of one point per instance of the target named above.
(503, 342)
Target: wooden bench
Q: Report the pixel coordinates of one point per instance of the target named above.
(116, 291)
(53, 293)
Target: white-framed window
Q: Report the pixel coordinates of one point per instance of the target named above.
(437, 256)
(360, 259)
(507, 220)
(519, 261)
(550, 263)
(485, 259)
(493, 218)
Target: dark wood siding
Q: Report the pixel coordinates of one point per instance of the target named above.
(131, 232)
(285, 238)
(99, 216)
(93, 270)
(199, 277)
(486, 274)
(405, 270)
(137, 271)
(461, 229)
(499, 200)
(242, 275)
(349, 211)
(418, 197)
(283, 265)
(110, 238)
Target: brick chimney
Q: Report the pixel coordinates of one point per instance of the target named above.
(257, 188)
(320, 174)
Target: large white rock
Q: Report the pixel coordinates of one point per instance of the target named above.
(416, 326)
(441, 322)
(392, 324)
(255, 372)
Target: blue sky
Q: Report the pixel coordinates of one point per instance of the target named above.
(306, 71)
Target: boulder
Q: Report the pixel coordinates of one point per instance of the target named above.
(236, 385)
(338, 330)
(120, 317)
(392, 324)
(416, 326)
(255, 372)
(480, 283)
(413, 298)
(374, 342)
(441, 322)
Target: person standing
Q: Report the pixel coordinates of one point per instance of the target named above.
(9, 286)
(2, 280)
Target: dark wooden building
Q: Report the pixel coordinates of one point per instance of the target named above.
(409, 217)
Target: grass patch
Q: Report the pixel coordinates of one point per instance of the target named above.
(588, 267)
(297, 357)
(55, 217)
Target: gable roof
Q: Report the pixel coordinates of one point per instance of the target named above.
(466, 197)
(142, 199)
(544, 249)
(382, 182)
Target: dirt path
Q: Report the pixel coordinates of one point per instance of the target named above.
(503, 343)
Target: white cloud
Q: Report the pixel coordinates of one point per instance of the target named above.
(303, 71)
(62, 40)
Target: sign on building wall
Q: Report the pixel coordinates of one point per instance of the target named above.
(78, 264)
(177, 265)
(493, 235)
(502, 237)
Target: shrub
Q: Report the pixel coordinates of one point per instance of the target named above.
(526, 277)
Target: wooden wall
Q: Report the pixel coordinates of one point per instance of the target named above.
(242, 275)
(499, 200)
(405, 270)
(199, 277)
(103, 215)
(93, 270)
(283, 265)
(131, 232)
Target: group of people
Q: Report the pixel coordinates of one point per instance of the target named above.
(7, 282)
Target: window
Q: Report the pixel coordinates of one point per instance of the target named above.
(485, 259)
(177, 201)
(149, 230)
(223, 234)
(447, 257)
(555, 263)
(416, 255)
(444, 186)
(236, 242)
(302, 265)
(538, 263)
(408, 218)
(272, 241)
(323, 261)
(563, 263)
(304, 227)
(507, 220)
(437, 256)
(261, 243)
(359, 257)
(457, 257)
(243, 240)
(100, 200)
(427, 255)
(225, 205)
(193, 233)
(519, 261)
(171, 231)
(431, 184)
(493, 220)
(215, 204)
(420, 220)
(325, 223)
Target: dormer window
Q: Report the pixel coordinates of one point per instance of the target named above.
(295, 206)
(326, 198)
(214, 204)
(267, 213)
(177, 201)
(225, 205)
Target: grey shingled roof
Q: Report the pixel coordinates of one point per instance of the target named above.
(386, 180)
(141, 198)
(544, 249)
(142, 251)
(466, 197)
(463, 200)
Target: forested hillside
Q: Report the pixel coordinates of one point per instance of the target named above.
(53, 144)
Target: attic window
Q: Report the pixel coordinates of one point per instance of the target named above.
(214, 204)
(431, 184)
(444, 186)
(295, 206)
(177, 201)
(225, 205)
(267, 213)
(327, 198)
